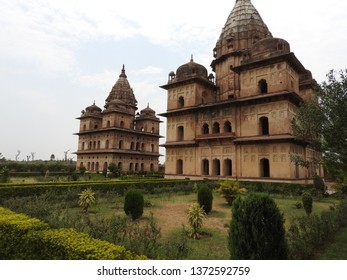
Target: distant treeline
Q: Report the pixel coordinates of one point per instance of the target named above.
(38, 166)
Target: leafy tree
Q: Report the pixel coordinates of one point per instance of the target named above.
(230, 190)
(196, 217)
(256, 230)
(318, 184)
(307, 202)
(133, 204)
(82, 170)
(113, 168)
(86, 199)
(322, 123)
(205, 198)
(5, 175)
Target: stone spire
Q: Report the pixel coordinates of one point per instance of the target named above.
(243, 28)
(122, 91)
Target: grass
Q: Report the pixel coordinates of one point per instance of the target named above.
(170, 212)
(337, 250)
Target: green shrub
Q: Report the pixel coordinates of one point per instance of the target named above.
(307, 202)
(256, 229)
(205, 198)
(318, 184)
(230, 190)
(22, 237)
(307, 234)
(133, 204)
(196, 217)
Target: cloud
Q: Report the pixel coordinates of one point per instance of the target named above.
(151, 70)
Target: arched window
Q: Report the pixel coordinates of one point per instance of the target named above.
(152, 130)
(120, 146)
(84, 127)
(90, 145)
(205, 129)
(121, 124)
(179, 167)
(205, 167)
(264, 168)
(152, 167)
(98, 144)
(180, 133)
(136, 166)
(88, 166)
(181, 102)
(228, 167)
(227, 126)
(142, 146)
(137, 146)
(105, 166)
(107, 145)
(216, 167)
(152, 148)
(264, 126)
(82, 146)
(132, 146)
(120, 166)
(142, 167)
(262, 86)
(97, 166)
(108, 124)
(216, 128)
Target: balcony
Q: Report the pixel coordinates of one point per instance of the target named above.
(216, 136)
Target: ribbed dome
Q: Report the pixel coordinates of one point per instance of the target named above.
(147, 112)
(244, 17)
(122, 91)
(191, 69)
(93, 109)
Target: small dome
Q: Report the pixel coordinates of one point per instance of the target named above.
(93, 109)
(269, 47)
(147, 112)
(191, 69)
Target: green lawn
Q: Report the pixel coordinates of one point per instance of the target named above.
(337, 250)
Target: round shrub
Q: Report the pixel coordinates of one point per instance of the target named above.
(318, 184)
(133, 204)
(307, 202)
(205, 198)
(256, 229)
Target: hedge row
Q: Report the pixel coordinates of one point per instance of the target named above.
(277, 188)
(151, 186)
(25, 238)
(306, 234)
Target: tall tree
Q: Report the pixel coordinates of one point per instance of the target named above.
(322, 123)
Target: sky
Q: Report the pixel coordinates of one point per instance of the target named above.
(59, 56)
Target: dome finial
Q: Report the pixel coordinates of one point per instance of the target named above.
(123, 73)
(191, 58)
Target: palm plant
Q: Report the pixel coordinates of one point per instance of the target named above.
(196, 217)
(86, 199)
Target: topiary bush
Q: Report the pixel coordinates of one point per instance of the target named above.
(256, 229)
(205, 198)
(307, 202)
(133, 204)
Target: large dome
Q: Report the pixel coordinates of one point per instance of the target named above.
(190, 70)
(122, 91)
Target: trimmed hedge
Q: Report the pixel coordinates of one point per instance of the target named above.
(25, 238)
(149, 186)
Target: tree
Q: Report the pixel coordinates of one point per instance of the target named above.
(196, 217)
(113, 168)
(257, 229)
(133, 204)
(230, 190)
(205, 198)
(322, 123)
(86, 199)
